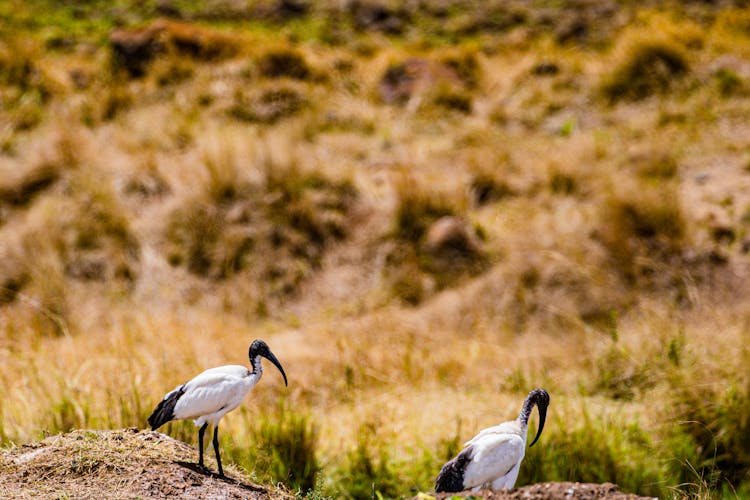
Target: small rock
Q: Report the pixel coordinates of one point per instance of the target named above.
(451, 235)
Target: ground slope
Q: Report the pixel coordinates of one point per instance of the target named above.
(128, 463)
(544, 491)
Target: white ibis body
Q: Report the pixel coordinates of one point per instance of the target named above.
(492, 458)
(212, 394)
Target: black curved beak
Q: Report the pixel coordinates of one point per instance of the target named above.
(542, 417)
(270, 357)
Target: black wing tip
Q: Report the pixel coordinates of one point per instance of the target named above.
(450, 479)
(164, 411)
(451, 476)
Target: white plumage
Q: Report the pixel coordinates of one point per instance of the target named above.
(492, 458)
(224, 388)
(206, 398)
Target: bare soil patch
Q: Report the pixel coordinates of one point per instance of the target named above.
(128, 463)
(579, 491)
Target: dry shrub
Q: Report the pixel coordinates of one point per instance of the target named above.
(132, 50)
(466, 65)
(147, 181)
(563, 181)
(418, 207)
(414, 76)
(619, 374)
(32, 273)
(447, 97)
(172, 70)
(736, 20)
(292, 214)
(21, 190)
(729, 83)
(379, 15)
(644, 230)
(113, 100)
(654, 165)
(19, 67)
(644, 66)
(284, 62)
(434, 246)
(268, 106)
(490, 180)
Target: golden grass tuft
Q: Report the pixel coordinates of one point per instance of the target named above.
(283, 62)
(645, 65)
(644, 230)
(289, 212)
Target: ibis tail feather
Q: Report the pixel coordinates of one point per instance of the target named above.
(164, 411)
(451, 477)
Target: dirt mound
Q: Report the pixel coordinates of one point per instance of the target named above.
(579, 491)
(129, 463)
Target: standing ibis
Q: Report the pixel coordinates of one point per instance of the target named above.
(493, 457)
(213, 394)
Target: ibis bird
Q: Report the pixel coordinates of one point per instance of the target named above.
(492, 458)
(212, 394)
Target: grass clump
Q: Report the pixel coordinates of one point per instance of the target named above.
(19, 68)
(22, 190)
(619, 375)
(729, 83)
(655, 165)
(562, 182)
(418, 208)
(268, 106)
(284, 62)
(466, 66)
(595, 449)
(711, 438)
(133, 50)
(644, 230)
(452, 99)
(366, 471)
(489, 182)
(284, 449)
(290, 213)
(645, 67)
(434, 245)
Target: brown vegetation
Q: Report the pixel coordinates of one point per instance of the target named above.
(425, 212)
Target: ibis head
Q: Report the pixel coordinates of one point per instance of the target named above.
(540, 398)
(260, 348)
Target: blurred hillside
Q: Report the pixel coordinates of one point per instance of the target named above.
(426, 209)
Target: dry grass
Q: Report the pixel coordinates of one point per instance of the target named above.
(274, 192)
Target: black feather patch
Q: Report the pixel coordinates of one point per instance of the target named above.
(164, 411)
(451, 477)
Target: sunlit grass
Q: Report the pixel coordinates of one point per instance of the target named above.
(152, 227)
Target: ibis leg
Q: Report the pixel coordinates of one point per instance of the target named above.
(200, 443)
(216, 449)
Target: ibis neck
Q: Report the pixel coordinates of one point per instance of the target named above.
(257, 368)
(523, 417)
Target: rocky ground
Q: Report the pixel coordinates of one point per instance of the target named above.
(540, 491)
